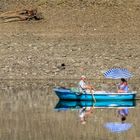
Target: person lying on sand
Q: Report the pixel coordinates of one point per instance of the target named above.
(20, 15)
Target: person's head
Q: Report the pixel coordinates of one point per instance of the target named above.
(83, 77)
(123, 80)
(123, 118)
(32, 11)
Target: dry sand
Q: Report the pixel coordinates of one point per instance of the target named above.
(87, 36)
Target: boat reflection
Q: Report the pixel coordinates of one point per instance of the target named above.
(66, 105)
(86, 108)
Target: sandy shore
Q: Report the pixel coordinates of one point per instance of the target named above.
(87, 38)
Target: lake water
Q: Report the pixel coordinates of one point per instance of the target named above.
(28, 113)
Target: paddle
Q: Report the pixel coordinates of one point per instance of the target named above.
(91, 91)
(93, 97)
(91, 88)
(84, 92)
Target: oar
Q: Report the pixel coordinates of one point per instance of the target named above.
(93, 105)
(92, 94)
(93, 97)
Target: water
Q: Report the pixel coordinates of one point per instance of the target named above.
(27, 113)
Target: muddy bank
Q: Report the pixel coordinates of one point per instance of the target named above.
(33, 86)
(86, 37)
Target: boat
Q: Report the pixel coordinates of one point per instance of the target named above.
(65, 105)
(68, 94)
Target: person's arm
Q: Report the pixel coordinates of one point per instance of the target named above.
(118, 85)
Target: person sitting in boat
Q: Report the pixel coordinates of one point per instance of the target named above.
(123, 86)
(84, 86)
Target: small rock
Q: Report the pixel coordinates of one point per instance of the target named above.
(62, 66)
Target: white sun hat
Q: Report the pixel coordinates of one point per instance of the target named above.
(83, 76)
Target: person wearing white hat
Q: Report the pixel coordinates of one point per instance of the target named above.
(83, 85)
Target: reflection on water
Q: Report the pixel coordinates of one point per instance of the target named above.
(29, 114)
(111, 120)
(123, 113)
(64, 104)
(84, 113)
(118, 127)
(85, 109)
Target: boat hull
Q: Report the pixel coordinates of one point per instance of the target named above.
(67, 94)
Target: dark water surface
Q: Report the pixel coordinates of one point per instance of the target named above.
(28, 114)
